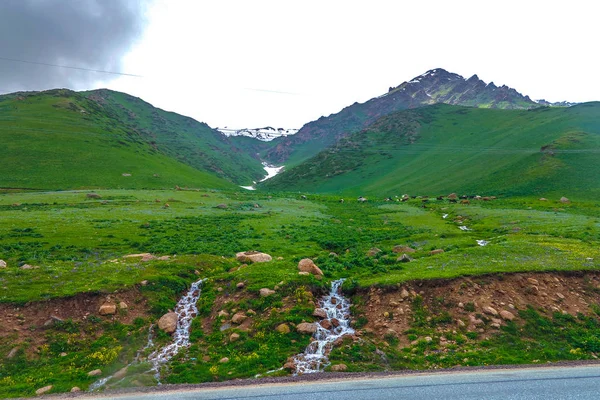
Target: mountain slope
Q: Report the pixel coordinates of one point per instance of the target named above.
(61, 139)
(441, 149)
(434, 86)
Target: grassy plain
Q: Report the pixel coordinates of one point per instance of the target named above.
(78, 242)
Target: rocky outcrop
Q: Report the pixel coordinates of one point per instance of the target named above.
(253, 257)
(168, 322)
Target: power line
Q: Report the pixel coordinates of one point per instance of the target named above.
(70, 67)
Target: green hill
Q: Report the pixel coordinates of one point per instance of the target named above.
(432, 87)
(60, 139)
(441, 149)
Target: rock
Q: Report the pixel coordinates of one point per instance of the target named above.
(63, 354)
(373, 252)
(404, 293)
(142, 256)
(452, 196)
(533, 281)
(460, 323)
(283, 328)
(27, 266)
(290, 365)
(252, 257)
(507, 315)
(223, 313)
(93, 196)
(234, 337)
(335, 322)
(304, 273)
(339, 368)
(120, 374)
(404, 258)
(222, 206)
(428, 339)
(2, 264)
(168, 322)
(308, 265)
(144, 282)
(490, 311)
(403, 249)
(107, 309)
(265, 292)
(238, 318)
(306, 327)
(164, 258)
(75, 389)
(326, 324)
(543, 199)
(564, 200)
(96, 372)
(436, 251)
(320, 313)
(43, 390)
(224, 360)
(123, 305)
(240, 285)
(12, 353)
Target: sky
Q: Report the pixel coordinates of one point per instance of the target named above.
(250, 64)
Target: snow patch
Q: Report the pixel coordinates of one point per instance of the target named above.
(264, 134)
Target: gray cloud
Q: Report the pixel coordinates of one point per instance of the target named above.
(88, 34)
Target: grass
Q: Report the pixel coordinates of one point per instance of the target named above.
(77, 242)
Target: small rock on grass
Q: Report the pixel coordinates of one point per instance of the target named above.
(43, 390)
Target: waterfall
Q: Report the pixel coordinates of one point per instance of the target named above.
(337, 324)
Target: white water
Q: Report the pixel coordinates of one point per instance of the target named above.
(271, 171)
(186, 311)
(314, 358)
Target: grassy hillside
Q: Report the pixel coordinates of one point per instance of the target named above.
(60, 139)
(434, 86)
(441, 149)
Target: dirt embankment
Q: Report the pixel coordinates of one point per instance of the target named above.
(481, 303)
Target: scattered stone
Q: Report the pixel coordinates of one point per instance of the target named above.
(339, 368)
(304, 273)
(224, 360)
(460, 323)
(223, 313)
(490, 311)
(63, 354)
(96, 372)
(12, 353)
(373, 252)
(564, 200)
(238, 317)
(403, 249)
(308, 265)
(142, 256)
(507, 315)
(265, 292)
(428, 339)
(404, 258)
(168, 322)
(560, 296)
(252, 257)
(283, 328)
(326, 324)
(43, 390)
(436, 251)
(533, 281)
(306, 327)
(144, 282)
(404, 293)
(123, 305)
(93, 196)
(222, 206)
(320, 313)
(75, 389)
(2, 264)
(107, 309)
(27, 266)
(234, 337)
(543, 199)
(164, 258)
(240, 285)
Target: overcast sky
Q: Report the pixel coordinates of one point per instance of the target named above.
(284, 63)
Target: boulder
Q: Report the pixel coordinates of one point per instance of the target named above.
(224, 360)
(404, 293)
(308, 265)
(96, 372)
(320, 313)
(265, 292)
(404, 258)
(306, 327)
(43, 390)
(436, 251)
(490, 311)
(107, 309)
(2, 264)
(168, 322)
(339, 368)
(564, 200)
(253, 257)
(403, 249)
(326, 324)
(373, 251)
(507, 315)
(234, 337)
(222, 206)
(123, 305)
(75, 389)
(240, 285)
(238, 318)
(283, 328)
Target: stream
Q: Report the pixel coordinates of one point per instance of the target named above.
(314, 359)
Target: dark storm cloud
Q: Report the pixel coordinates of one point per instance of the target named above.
(88, 34)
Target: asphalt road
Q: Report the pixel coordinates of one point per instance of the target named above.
(578, 382)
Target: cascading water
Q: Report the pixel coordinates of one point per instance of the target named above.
(186, 310)
(337, 308)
